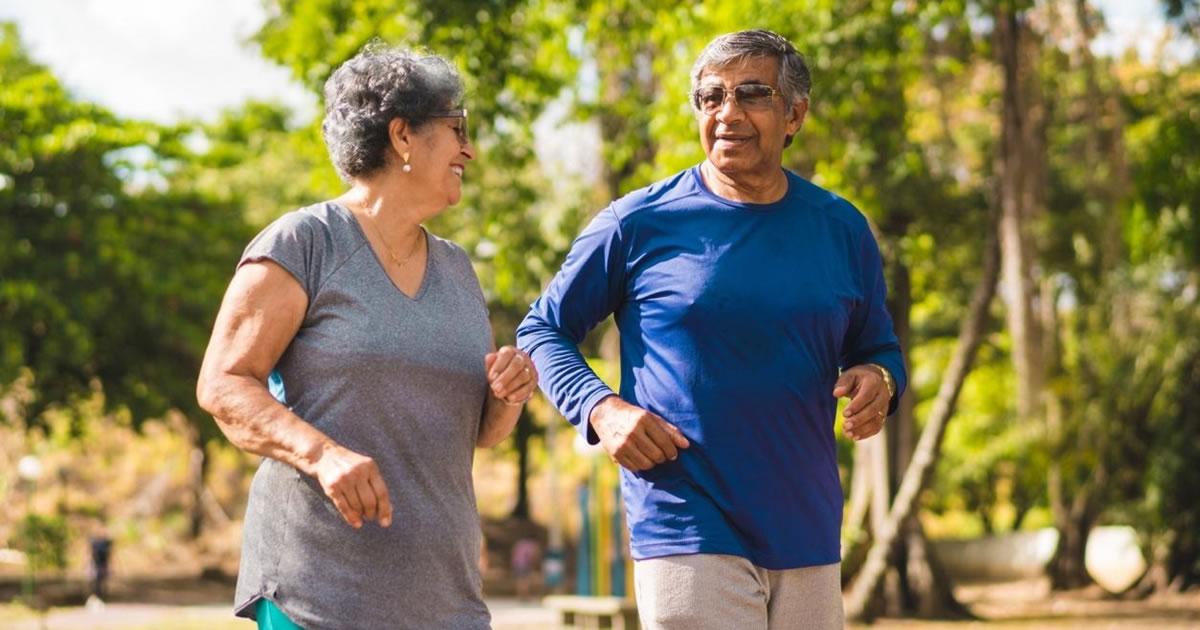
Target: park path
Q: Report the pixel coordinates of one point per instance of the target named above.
(1015, 606)
(507, 614)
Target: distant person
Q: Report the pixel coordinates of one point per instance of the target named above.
(525, 555)
(553, 568)
(748, 299)
(353, 352)
(101, 552)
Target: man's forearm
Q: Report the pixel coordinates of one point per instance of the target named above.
(566, 378)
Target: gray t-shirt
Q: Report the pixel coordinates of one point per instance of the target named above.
(398, 379)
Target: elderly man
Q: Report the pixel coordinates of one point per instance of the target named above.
(748, 299)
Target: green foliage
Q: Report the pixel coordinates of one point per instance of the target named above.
(1165, 144)
(43, 539)
(1155, 412)
(1169, 506)
(108, 277)
(254, 158)
(990, 468)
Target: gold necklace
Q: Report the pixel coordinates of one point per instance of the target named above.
(391, 253)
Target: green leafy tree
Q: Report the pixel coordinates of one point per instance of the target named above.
(1159, 481)
(44, 540)
(108, 275)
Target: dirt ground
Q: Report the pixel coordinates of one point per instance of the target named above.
(1030, 604)
(181, 604)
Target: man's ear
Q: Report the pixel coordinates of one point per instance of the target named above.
(798, 111)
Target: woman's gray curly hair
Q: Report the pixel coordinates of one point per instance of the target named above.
(371, 89)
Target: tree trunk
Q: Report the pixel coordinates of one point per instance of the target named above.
(903, 423)
(1183, 560)
(521, 435)
(1067, 568)
(197, 473)
(1074, 514)
(917, 585)
(928, 585)
(888, 599)
(1108, 180)
(1016, 177)
(860, 493)
(1023, 500)
(929, 447)
(859, 503)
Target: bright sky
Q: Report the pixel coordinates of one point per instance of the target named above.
(160, 59)
(1139, 24)
(155, 59)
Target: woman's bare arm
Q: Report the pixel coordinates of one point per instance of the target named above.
(260, 314)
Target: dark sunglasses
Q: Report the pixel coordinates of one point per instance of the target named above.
(749, 96)
(461, 128)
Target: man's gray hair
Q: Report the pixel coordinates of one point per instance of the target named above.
(794, 77)
(371, 89)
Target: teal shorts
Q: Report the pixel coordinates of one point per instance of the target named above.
(271, 618)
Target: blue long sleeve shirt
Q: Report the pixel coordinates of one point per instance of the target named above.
(734, 320)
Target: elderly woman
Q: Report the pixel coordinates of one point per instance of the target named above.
(353, 352)
(748, 300)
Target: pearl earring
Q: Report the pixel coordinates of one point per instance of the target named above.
(407, 168)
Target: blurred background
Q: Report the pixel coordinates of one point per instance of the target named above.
(1030, 168)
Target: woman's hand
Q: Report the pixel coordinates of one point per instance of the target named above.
(353, 482)
(511, 380)
(511, 375)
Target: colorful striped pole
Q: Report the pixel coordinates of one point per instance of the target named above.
(583, 563)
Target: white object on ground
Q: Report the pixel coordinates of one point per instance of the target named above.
(1114, 559)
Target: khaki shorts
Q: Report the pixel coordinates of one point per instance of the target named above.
(719, 592)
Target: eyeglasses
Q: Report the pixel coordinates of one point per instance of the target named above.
(748, 96)
(461, 128)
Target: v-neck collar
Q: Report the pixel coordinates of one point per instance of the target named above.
(416, 297)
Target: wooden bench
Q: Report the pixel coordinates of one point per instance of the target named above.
(592, 613)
